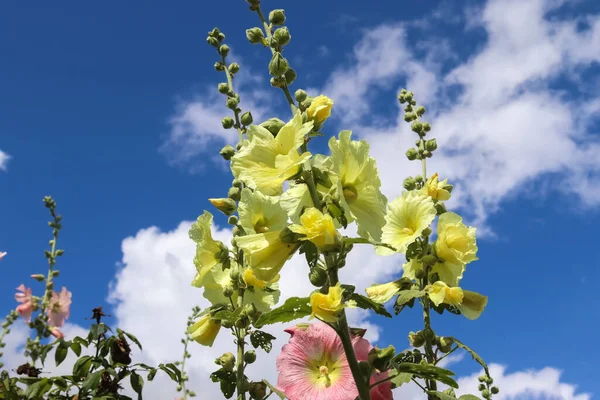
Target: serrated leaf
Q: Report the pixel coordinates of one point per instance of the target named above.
(76, 348)
(400, 379)
(473, 354)
(273, 389)
(426, 371)
(441, 395)
(368, 304)
(262, 339)
(61, 352)
(293, 308)
(137, 384)
(92, 380)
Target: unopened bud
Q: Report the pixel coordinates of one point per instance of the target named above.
(223, 88)
(255, 35)
(486, 394)
(440, 208)
(290, 76)
(232, 220)
(482, 378)
(431, 145)
(212, 41)
(55, 273)
(412, 153)
(224, 50)
(419, 273)
(227, 152)
(234, 193)
(417, 126)
(410, 117)
(445, 344)
(226, 206)
(420, 110)
(300, 95)
(246, 118)
(419, 179)
(409, 183)
(234, 68)
(258, 390)
(250, 356)
(227, 361)
(277, 17)
(426, 232)
(495, 390)
(426, 127)
(237, 183)
(317, 276)
(227, 122)
(416, 339)
(219, 66)
(278, 81)
(282, 35)
(273, 125)
(38, 277)
(380, 358)
(481, 387)
(228, 291)
(278, 65)
(232, 103)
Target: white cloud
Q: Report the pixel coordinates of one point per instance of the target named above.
(4, 158)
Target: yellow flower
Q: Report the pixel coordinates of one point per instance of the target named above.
(407, 217)
(356, 182)
(383, 292)
(436, 189)
(252, 280)
(410, 268)
(205, 330)
(470, 304)
(209, 252)
(327, 307)
(319, 109)
(266, 253)
(265, 162)
(260, 213)
(318, 228)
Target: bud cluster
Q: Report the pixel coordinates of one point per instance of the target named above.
(486, 388)
(424, 148)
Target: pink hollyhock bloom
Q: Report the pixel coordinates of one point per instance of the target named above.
(313, 366)
(57, 333)
(26, 307)
(2, 254)
(58, 310)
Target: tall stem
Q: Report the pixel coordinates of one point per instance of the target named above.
(241, 335)
(236, 113)
(423, 163)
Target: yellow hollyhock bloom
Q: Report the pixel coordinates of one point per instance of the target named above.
(266, 253)
(456, 243)
(327, 307)
(205, 330)
(470, 304)
(410, 268)
(210, 254)
(265, 162)
(260, 213)
(356, 182)
(383, 292)
(435, 189)
(318, 228)
(407, 217)
(319, 109)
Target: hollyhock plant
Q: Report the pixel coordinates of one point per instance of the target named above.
(26, 300)
(313, 366)
(59, 308)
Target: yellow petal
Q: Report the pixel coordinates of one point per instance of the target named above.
(265, 253)
(205, 330)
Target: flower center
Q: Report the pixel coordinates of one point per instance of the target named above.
(260, 226)
(350, 193)
(407, 231)
(324, 375)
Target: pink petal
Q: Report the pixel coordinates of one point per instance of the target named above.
(2, 254)
(383, 391)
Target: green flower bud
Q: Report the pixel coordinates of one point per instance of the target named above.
(226, 206)
(212, 41)
(282, 36)
(273, 125)
(440, 208)
(232, 220)
(427, 154)
(412, 153)
(380, 358)
(221, 37)
(227, 122)
(250, 356)
(234, 193)
(300, 95)
(482, 378)
(214, 32)
(409, 183)
(255, 35)
(317, 276)
(38, 277)
(246, 118)
(227, 152)
(419, 179)
(290, 76)
(258, 390)
(431, 145)
(277, 82)
(419, 274)
(55, 273)
(416, 339)
(408, 108)
(223, 88)
(426, 232)
(481, 387)
(401, 98)
(232, 103)
(179, 388)
(486, 394)
(227, 361)
(228, 291)
(277, 17)
(420, 110)
(237, 183)
(426, 127)
(417, 126)
(409, 117)
(224, 50)
(234, 68)
(445, 344)
(495, 390)
(227, 324)
(219, 66)
(278, 65)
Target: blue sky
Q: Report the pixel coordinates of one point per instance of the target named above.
(113, 111)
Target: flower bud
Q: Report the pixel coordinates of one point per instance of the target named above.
(486, 394)
(426, 127)
(223, 88)
(482, 378)
(219, 66)
(212, 41)
(440, 208)
(409, 117)
(55, 273)
(224, 50)
(227, 122)
(317, 276)
(401, 98)
(250, 356)
(38, 277)
(246, 118)
(416, 339)
(237, 183)
(426, 232)
(232, 220)
(228, 291)
(409, 183)
(290, 76)
(226, 206)
(232, 103)
(234, 68)
(227, 361)
(227, 152)
(234, 193)
(417, 126)
(445, 344)
(278, 65)
(277, 82)
(258, 390)
(277, 17)
(300, 95)
(419, 273)
(431, 145)
(226, 324)
(273, 125)
(412, 153)
(380, 358)
(420, 111)
(282, 36)
(255, 35)
(495, 390)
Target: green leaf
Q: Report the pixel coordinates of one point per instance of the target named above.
(81, 341)
(76, 348)
(82, 366)
(61, 352)
(92, 380)
(469, 397)
(151, 374)
(400, 379)
(171, 370)
(310, 252)
(36, 390)
(475, 356)
(441, 395)
(293, 308)
(407, 295)
(132, 338)
(275, 390)
(60, 383)
(137, 383)
(96, 331)
(426, 371)
(227, 381)
(368, 304)
(262, 339)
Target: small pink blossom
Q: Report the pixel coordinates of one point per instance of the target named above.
(58, 310)
(26, 300)
(2, 254)
(57, 333)
(313, 366)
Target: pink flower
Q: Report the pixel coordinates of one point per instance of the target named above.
(2, 254)
(57, 333)
(313, 366)
(26, 307)
(58, 310)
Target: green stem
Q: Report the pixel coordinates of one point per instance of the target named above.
(423, 163)
(429, 334)
(236, 113)
(241, 336)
